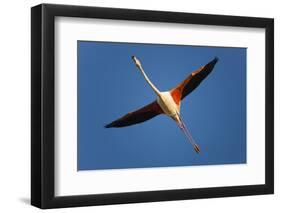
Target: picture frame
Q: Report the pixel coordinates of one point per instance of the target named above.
(43, 113)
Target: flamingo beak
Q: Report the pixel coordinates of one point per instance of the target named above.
(136, 61)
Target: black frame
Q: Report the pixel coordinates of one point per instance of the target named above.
(42, 105)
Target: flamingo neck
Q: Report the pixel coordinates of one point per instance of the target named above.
(149, 82)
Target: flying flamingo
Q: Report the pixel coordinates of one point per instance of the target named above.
(167, 102)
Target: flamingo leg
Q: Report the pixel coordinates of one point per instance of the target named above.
(187, 133)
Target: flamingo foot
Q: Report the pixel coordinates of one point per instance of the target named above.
(196, 148)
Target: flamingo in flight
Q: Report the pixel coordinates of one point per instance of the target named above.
(167, 102)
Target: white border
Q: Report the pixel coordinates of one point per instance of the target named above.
(70, 182)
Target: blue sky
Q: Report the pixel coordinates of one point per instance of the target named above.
(109, 86)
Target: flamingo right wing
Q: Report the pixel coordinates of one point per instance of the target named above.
(192, 81)
(149, 111)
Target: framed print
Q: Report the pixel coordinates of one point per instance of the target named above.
(139, 106)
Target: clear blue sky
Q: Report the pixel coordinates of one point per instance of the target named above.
(109, 86)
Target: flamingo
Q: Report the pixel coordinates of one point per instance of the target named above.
(167, 102)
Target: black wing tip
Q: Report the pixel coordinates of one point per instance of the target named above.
(215, 60)
(113, 125)
(108, 125)
(212, 63)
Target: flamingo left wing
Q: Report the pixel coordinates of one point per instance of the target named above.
(192, 81)
(149, 111)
